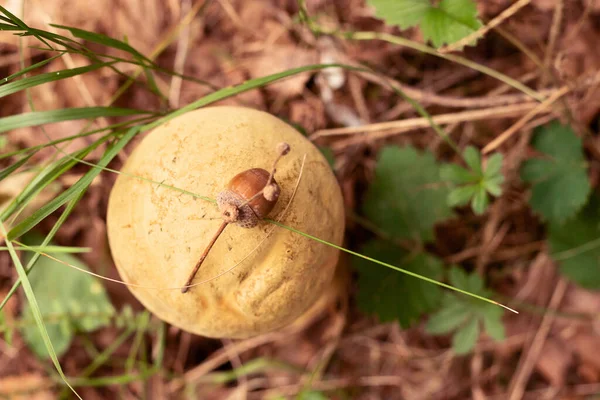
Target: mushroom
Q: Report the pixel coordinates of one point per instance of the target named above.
(157, 234)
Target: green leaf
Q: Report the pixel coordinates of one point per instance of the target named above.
(560, 184)
(393, 296)
(463, 315)
(457, 174)
(575, 245)
(476, 183)
(36, 118)
(461, 195)
(35, 309)
(406, 198)
(447, 22)
(67, 299)
(404, 13)
(465, 338)
(311, 395)
(447, 319)
(473, 160)
(328, 154)
(480, 201)
(494, 166)
(492, 322)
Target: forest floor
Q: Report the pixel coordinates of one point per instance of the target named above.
(547, 44)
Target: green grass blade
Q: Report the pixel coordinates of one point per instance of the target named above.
(424, 278)
(13, 18)
(51, 249)
(46, 117)
(45, 242)
(120, 125)
(74, 190)
(36, 80)
(30, 68)
(43, 179)
(244, 87)
(9, 170)
(104, 40)
(35, 308)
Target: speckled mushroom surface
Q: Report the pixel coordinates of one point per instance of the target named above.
(157, 234)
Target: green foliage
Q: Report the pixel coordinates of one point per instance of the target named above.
(328, 154)
(560, 185)
(447, 22)
(311, 395)
(407, 198)
(475, 184)
(575, 245)
(64, 296)
(463, 316)
(393, 296)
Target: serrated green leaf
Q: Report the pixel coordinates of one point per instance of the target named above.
(465, 338)
(456, 174)
(575, 246)
(447, 319)
(406, 198)
(67, 298)
(480, 201)
(492, 185)
(473, 159)
(404, 13)
(494, 166)
(492, 322)
(447, 22)
(461, 195)
(477, 183)
(560, 185)
(459, 278)
(393, 296)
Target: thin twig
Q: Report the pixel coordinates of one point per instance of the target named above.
(504, 136)
(531, 356)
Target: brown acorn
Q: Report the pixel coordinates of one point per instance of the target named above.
(248, 197)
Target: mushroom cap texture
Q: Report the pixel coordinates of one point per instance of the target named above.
(157, 233)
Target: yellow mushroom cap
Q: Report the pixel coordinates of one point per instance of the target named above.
(157, 233)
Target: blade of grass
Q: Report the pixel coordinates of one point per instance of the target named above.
(29, 69)
(244, 87)
(46, 117)
(10, 169)
(50, 249)
(123, 125)
(74, 190)
(45, 242)
(42, 180)
(104, 40)
(450, 57)
(35, 308)
(424, 278)
(36, 80)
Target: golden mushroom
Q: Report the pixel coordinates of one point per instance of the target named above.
(157, 234)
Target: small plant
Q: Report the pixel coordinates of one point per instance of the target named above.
(465, 317)
(448, 21)
(475, 184)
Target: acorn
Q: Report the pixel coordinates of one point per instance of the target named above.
(248, 197)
